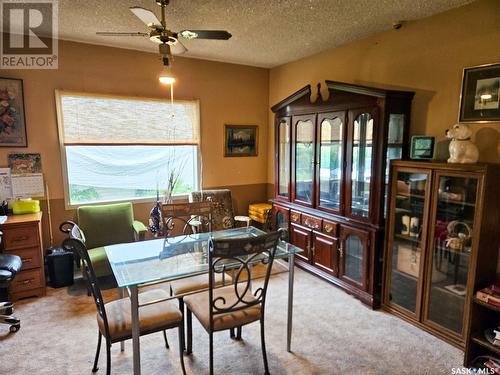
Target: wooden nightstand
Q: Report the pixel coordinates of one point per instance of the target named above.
(22, 235)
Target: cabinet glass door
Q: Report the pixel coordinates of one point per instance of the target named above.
(304, 161)
(450, 250)
(331, 160)
(361, 164)
(353, 258)
(407, 237)
(283, 158)
(353, 249)
(394, 146)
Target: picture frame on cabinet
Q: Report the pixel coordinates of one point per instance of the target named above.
(480, 95)
(12, 117)
(240, 140)
(422, 147)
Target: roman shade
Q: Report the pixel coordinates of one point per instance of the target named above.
(94, 119)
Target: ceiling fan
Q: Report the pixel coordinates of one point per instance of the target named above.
(168, 40)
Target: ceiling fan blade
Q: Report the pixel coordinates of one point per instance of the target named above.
(205, 34)
(146, 16)
(178, 48)
(112, 33)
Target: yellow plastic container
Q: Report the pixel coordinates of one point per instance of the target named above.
(25, 206)
(259, 211)
(260, 207)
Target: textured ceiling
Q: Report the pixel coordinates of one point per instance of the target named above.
(266, 33)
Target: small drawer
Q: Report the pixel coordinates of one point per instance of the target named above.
(27, 280)
(25, 236)
(311, 222)
(330, 228)
(31, 258)
(295, 216)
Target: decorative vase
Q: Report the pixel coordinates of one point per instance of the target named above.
(156, 219)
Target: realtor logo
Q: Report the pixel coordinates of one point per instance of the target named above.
(29, 34)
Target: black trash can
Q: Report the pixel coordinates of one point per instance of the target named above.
(60, 268)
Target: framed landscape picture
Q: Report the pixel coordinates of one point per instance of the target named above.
(480, 98)
(240, 140)
(12, 122)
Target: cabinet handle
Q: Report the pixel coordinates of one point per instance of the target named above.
(27, 281)
(328, 228)
(27, 260)
(20, 238)
(311, 224)
(341, 249)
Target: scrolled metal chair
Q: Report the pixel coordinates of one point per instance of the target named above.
(9, 266)
(113, 318)
(188, 219)
(233, 306)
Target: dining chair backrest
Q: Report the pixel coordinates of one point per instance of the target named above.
(240, 254)
(222, 206)
(75, 242)
(186, 218)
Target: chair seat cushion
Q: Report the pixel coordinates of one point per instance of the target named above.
(199, 304)
(194, 283)
(153, 318)
(100, 262)
(11, 263)
(5, 275)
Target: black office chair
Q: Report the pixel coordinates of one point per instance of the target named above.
(9, 266)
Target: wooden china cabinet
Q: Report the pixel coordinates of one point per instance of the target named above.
(331, 160)
(442, 244)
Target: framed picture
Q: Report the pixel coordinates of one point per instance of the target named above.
(12, 122)
(480, 98)
(422, 147)
(25, 163)
(240, 140)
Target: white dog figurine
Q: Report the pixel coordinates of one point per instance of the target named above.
(461, 148)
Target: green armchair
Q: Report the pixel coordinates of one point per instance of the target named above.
(105, 225)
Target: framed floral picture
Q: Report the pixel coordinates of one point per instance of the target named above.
(12, 121)
(480, 99)
(240, 140)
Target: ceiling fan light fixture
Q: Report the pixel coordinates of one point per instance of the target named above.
(166, 77)
(166, 80)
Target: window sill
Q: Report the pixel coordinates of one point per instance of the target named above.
(176, 199)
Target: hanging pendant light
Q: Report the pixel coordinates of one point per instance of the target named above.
(166, 77)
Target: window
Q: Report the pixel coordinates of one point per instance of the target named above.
(121, 148)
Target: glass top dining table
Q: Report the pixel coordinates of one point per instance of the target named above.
(167, 259)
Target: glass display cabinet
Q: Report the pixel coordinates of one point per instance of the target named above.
(434, 242)
(330, 173)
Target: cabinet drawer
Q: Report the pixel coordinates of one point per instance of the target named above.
(23, 236)
(311, 222)
(27, 280)
(295, 216)
(32, 257)
(330, 227)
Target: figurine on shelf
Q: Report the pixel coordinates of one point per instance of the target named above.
(461, 148)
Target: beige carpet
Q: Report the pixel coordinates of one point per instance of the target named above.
(333, 334)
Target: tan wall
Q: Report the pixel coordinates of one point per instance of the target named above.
(228, 93)
(425, 56)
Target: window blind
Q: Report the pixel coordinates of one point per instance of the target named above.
(92, 119)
